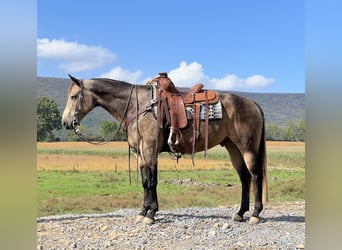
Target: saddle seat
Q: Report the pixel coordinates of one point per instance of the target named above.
(167, 85)
(195, 94)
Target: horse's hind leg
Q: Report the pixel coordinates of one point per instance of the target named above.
(255, 170)
(245, 177)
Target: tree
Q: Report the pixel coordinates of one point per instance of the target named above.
(289, 131)
(48, 119)
(273, 132)
(293, 131)
(107, 129)
(301, 130)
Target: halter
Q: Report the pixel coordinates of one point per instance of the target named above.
(75, 122)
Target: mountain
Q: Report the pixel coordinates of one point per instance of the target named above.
(279, 108)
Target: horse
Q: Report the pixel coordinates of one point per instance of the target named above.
(241, 130)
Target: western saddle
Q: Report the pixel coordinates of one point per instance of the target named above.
(173, 104)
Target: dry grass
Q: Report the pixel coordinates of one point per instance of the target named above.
(287, 144)
(107, 163)
(75, 162)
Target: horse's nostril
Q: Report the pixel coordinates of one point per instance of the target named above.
(65, 125)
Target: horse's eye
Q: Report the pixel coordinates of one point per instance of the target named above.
(73, 97)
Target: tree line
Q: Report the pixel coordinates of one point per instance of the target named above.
(49, 120)
(292, 131)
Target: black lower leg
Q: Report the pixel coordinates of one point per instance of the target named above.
(154, 205)
(153, 191)
(147, 192)
(257, 185)
(245, 182)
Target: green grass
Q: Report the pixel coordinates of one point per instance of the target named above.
(286, 160)
(86, 192)
(62, 192)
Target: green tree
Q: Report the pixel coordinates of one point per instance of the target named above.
(289, 131)
(301, 130)
(294, 131)
(107, 129)
(273, 132)
(48, 119)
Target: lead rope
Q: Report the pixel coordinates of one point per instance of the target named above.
(194, 130)
(138, 141)
(129, 165)
(206, 127)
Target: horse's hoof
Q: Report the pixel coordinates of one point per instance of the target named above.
(237, 218)
(148, 221)
(139, 218)
(254, 220)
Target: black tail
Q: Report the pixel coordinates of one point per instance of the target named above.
(262, 158)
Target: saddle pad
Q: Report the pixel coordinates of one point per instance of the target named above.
(213, 97)
(215, 111)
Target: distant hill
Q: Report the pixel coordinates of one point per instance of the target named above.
(279, 108)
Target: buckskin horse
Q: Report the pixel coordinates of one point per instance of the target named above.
(240, 129)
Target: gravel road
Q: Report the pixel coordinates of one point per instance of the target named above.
(282, 226)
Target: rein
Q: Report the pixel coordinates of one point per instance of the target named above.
(75, 122)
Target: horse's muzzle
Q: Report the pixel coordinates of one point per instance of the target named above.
(69, 124)
(66, 125)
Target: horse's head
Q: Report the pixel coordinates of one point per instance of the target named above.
(79, 103)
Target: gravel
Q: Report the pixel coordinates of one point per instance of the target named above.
(282, 226)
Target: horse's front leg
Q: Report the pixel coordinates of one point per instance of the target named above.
(147, 194)
(150, 206)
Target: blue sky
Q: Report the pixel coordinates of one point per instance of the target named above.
(253, 46)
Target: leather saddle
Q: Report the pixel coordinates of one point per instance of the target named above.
(172, 103)
(177, 99)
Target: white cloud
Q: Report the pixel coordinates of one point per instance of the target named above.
(74, 57)
(227, 82)
(258, 81)
(123, 75)
(187, 74)
(233, 82)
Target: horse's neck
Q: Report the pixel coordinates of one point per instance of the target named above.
(117, 96)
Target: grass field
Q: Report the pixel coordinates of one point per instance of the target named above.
(77, 177)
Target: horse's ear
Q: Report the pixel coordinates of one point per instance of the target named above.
(75, 80)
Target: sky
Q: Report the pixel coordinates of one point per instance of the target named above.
(250, 46)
